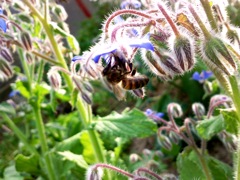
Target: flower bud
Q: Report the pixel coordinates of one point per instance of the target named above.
(54, 79)
(26, 41)
(5, 69)
(133, 158)
(86, 98)
(217, 55)
(198, 109)
(29, 58)
(220, 99)
(60, 12)
(174, 110)
(184, 51)
(174, 137)
(146, 152)
(208, 87)
(161, 65)
(94, 173)
(6, 55)
(165, 142)
(232, 35)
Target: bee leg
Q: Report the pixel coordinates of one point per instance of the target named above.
(138, 92)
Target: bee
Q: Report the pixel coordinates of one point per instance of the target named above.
(121, 75)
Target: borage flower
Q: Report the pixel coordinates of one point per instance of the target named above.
(130, 4)
(201, 77)
(118, 70)
(124, 46)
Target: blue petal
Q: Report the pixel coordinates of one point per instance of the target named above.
(148, 112)
(76, 58)
(13, 93)
(159, 114)
(196, 76)
(142, 43)
(100, 53)
(207, 74)
(3, 24)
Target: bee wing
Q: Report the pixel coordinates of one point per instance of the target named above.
(119, 92)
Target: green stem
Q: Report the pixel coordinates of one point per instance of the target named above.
(18, 133)
(40, 71)
(208, 11)
(43, 142)
(236, 101)
(204, 165)
(25, 68)
(200, 23)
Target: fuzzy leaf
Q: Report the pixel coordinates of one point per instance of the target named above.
(189, 166)
(209, 127)
(128, 124)
(230, 119)
(220, 170)
(28, 164)
(76, 158)
(7, 108)
(88, 151)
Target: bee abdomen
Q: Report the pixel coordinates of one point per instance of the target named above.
(130, 83)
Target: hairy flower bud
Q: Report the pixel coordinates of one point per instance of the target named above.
(5, 70)
(94, 173)
(26, 41)
(216, 54)
(184, 51)
(174, 137)
(133, 158)
(174, 110)
(165, 142)
(60, 12)
(6, 55)
(198, 109)
(54, 79)
(29, 58)
(161, 65)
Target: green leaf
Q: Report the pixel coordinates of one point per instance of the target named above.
(128, 124)
(11, 173)
(220, 170)
(73, 43)
(7, 108)
(72, 144)
(189, 166)
(230, 119)
(209, 127)
(76, 158)
(29, 164)
(88, 151)
(22, 88)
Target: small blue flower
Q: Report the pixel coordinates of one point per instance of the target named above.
(134, 4)
(3, 24)
(132, 42)
(201, 77)
(13, 93)
(150, 112)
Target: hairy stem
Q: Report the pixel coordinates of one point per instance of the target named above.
(43, 142)
(208, 11)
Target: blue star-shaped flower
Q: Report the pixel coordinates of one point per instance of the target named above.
(132, 42)
(3, 24)
(130, 4)
(201, 77)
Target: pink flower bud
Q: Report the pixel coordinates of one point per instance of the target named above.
(26, 41)
(6, 55)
